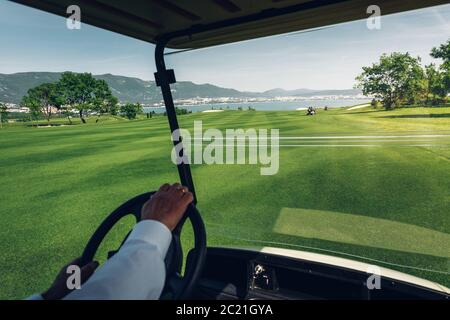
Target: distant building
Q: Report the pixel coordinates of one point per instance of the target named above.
(12, 107)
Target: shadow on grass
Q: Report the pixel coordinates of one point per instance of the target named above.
(362, 230)
(414, 116)
(57, 151)
(347, 113)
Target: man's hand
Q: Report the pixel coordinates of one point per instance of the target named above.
(167, 205)
(59, 288)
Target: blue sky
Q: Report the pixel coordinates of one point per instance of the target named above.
(325, 59)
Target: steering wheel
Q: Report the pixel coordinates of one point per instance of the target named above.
(176, 287)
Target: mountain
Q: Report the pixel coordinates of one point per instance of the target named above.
(345, 92)
(128, 89)
(14, 86)
(278, 92)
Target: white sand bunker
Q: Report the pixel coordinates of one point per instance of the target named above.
(213, 110)
(359, 107)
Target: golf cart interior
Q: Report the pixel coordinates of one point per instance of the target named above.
(227, 272)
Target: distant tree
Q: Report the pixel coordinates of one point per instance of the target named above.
(3, 114)
(83, 92)
(396, 78)
(151, 114)
(435, 83)
(66, 110)
(113, 106)
(78, 91)
(35, 112)
(416, 86)
(443, 52)
(181, 111)
(131, 110)
(104, 102)
(43, 99)
(374, 103)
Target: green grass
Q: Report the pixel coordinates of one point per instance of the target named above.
(21, 120)
(386, 200)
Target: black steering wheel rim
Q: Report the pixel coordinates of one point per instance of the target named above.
(179, 287)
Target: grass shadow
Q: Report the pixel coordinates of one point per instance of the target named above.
(414, 116)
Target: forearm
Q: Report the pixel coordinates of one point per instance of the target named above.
(137, 271)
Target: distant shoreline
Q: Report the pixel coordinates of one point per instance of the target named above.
(268, 105)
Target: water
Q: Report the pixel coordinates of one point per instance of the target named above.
(268, 105)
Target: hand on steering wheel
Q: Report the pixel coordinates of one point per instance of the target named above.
(167, 205)
(170, 205)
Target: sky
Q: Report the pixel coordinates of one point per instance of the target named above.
(330, 58)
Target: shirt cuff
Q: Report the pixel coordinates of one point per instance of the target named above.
(152, 232)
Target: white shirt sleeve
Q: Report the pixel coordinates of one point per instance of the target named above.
(137, 271)
(36, 296)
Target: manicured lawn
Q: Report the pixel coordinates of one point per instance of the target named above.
(387, 199)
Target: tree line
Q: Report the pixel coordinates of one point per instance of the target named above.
(399, 79)
(76, 92)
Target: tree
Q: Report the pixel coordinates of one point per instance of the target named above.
(83, 92)
(3, 114)
(443, 52)
(66, 110)
(113, 106)
(181, 111)
(104, 101)
(396, 78)
(77, 91)
(43, 99)
(374, 103)
(435, 83)
(108, 105)
(131, 110)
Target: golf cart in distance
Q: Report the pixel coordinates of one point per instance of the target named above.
(236, 273)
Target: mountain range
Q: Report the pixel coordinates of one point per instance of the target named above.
(14, 86)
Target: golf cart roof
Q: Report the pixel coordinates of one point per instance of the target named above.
(191, 24)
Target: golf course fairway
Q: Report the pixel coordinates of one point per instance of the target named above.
(364, 184)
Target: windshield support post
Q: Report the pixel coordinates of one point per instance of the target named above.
(163, 79)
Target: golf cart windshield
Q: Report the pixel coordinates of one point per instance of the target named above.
(354, 180)
(323, 165)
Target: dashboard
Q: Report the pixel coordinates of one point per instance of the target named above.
(245, 274)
